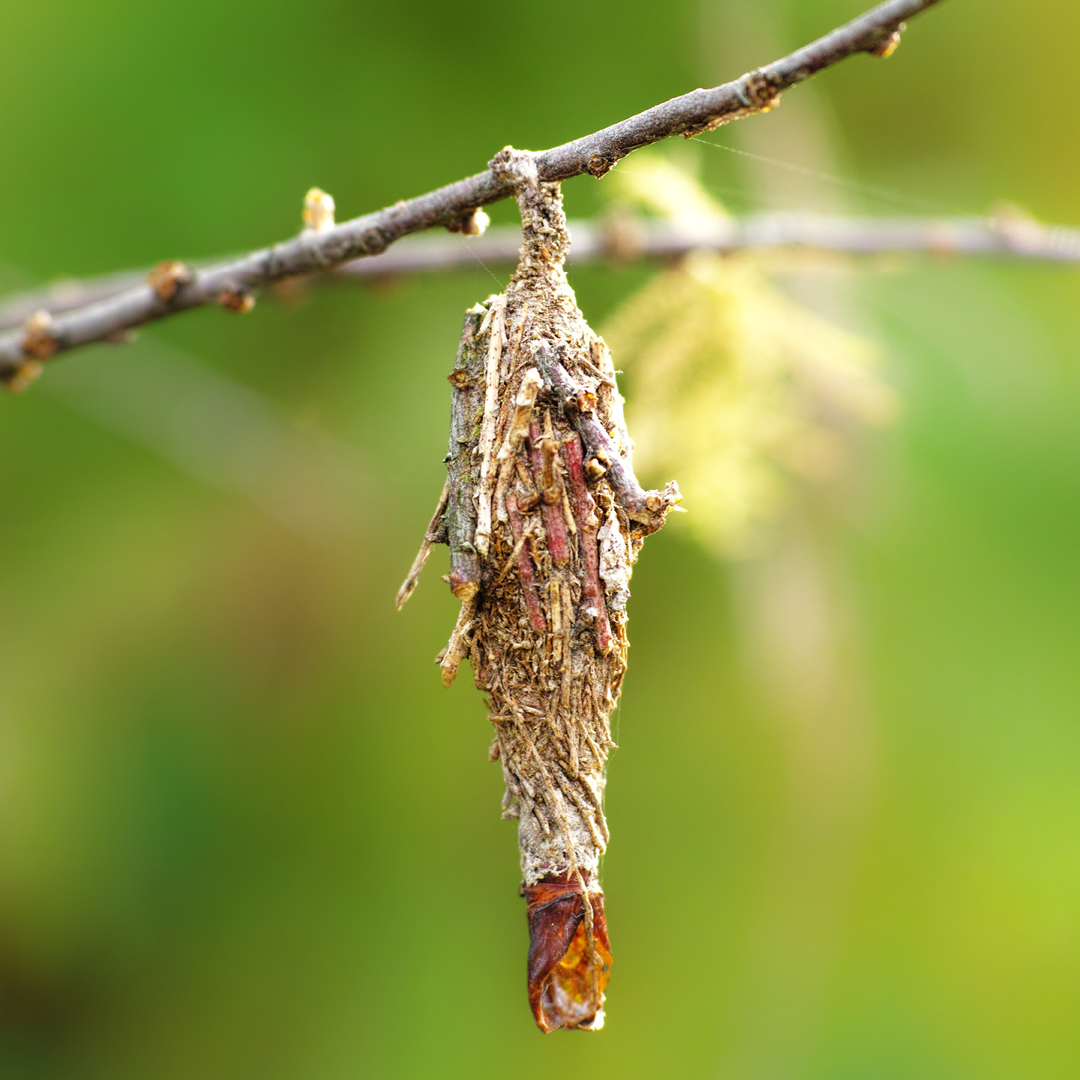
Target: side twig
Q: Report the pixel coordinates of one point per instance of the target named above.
(645, 508)
(317, 249)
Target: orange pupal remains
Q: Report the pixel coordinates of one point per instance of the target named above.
(567, 972)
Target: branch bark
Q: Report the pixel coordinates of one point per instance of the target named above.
(232, 283)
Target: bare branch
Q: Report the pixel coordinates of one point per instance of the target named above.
(231, 284)
(620, 240)
(1005, 237)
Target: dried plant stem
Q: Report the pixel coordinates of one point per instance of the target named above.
(231, 284)
(434, 534)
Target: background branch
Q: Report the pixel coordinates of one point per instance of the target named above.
(231, 283)
(625, 239)
(1005, 236)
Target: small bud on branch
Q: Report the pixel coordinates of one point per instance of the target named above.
(167, 277)
(318, 210)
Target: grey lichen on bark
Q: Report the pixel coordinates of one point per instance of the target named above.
(545, 519)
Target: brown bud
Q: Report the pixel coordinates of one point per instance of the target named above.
(167, 278)
(759, 93)
(18, 380)
(887, 46)
(599, 165)
(234, 300)
(39, 342)
(474, 223)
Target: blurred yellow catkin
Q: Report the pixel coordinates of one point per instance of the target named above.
(735, 388)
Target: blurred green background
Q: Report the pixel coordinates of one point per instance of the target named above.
(245, 832)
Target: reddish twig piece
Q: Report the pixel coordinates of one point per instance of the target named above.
(523, 560)
(588, 526)
(542, 454)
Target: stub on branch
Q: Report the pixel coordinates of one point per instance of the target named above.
(544, 519)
